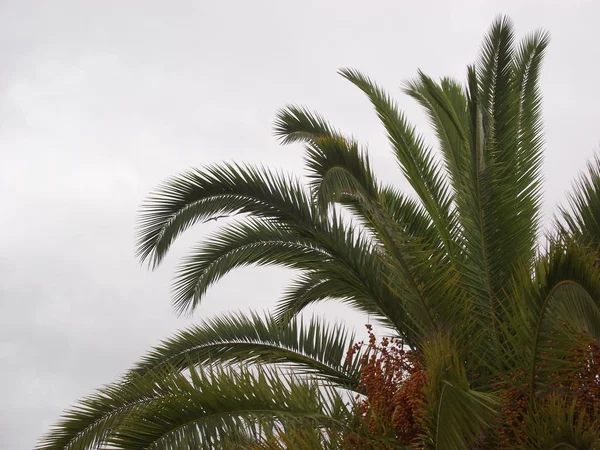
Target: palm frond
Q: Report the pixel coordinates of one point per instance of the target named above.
(312, 347)
(414, 222)
(200, 195)
(456, 414)
(298, 124)
(582, 216)
(499, 210)
(165, 409)
(250, 242)
(211, 404)
(326, 150)
(550, 311)
(314, 286)
(558, 424)
(446, 106)
(416, 161)
(527, 64)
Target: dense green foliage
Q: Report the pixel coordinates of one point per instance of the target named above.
(458, 271)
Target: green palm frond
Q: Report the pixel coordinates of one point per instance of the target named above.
(416, 161)
(456, 414)
(298, 124)
(550, 311)
(338, 170)
(559, 426)
(328, 154)
(165, 409)
(333, 249)
(312, 287)
(251, 242)
(446, 106)
(313, 347)
(298, 437)
(582, 216)
(527, 64)
(199, 195)
(499, 202)
(211, 404)
(497, 97)
(411, 218)
(326, 149)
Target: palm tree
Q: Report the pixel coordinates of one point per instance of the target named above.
(457, 271)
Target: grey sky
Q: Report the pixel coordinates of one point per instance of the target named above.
(102, 100)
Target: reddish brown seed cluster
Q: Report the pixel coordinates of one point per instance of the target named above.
(390, 410)
(514, 406)
(392, 382)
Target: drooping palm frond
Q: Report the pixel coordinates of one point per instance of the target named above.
(215, 402)
(549, 312)
(341, 173)
(313, 347)
(331, 251)
(298, 124)
(223, 189)
(300, 437)
(326, 150)
(164, 409)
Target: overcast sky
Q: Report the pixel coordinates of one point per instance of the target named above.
(102, 100)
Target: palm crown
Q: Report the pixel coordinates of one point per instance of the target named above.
(456, 271)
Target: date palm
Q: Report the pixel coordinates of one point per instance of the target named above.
(455, 269)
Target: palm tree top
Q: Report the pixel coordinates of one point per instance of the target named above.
(453, 269)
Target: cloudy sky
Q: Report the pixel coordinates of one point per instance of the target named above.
(101, 100)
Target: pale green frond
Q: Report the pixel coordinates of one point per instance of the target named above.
(498, 98)
(511, 182)
(527, 64)
(499, 210)
(446, 106)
